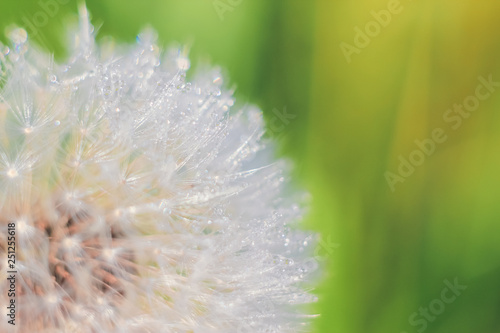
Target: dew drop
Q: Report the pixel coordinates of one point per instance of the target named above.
(12, 173)
(18, 36)
(217, 80)
(183, 63)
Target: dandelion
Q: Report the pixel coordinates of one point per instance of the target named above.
(141, 202)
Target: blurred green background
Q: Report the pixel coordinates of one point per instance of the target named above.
(356, 101)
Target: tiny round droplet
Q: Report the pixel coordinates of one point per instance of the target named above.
(217, 80)
(21, 225)
(183, 63)
(18, 36)
(12, 173)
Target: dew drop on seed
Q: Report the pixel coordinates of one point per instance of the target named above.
(12, 173)
(18, 36)
(183, 63)
(217, 80)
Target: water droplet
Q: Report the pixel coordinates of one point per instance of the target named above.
(18, 36)
(183, 63)
(217, 80)
(12, 173)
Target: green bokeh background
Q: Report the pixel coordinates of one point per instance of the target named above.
(352, 121)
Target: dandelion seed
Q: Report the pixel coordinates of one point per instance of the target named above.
(142, 202)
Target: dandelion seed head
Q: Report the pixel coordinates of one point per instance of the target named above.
(142, 202)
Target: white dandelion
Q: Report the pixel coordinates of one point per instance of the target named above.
(141, 202)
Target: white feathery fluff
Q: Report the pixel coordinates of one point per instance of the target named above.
(142, 202)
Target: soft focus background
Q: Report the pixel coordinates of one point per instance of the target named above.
(402, 220)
